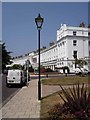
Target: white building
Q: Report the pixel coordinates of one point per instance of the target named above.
(22, 59)
(70, 41)
(49, 57)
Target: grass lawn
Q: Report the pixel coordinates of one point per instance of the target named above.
(48, 103)
(65, 80)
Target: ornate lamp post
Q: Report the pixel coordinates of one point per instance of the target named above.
(75, 57)
(39, 22)
(27, 65)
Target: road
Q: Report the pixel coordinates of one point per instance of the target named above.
(7, 93)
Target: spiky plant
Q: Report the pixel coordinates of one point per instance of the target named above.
(77, 99)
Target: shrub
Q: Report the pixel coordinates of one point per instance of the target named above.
(77, 100)
(48, 70)
(60, 112)
(31, 69)
(76, 104)
(17, 66)
(55, 112)
(42, 69)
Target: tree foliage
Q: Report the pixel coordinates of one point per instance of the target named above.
(89, 25)
(51, 43)
(17, 66)
(81, 62)
(31, 69)
(82, 24)
(5, 57)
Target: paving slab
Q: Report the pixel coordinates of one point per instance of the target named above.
(24, 104)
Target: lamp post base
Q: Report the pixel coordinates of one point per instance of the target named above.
(39, 90)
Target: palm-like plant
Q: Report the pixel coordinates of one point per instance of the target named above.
(77, 99)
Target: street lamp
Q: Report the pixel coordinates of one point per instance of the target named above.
(27, 65)
(39, 22)
(75, 57)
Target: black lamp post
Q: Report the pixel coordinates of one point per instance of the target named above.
(75, 57)
(39, 22)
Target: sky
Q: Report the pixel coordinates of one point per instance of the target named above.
(19, 31)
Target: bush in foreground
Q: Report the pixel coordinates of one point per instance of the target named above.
(76, 104)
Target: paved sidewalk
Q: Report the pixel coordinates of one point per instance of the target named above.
(24, 104)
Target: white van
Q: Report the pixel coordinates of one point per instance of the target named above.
(15, 76)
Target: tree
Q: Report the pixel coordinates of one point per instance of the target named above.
(43, 48)
(17, 66)
(51, 43)
(48, 70)
(81, 62)
(89, 25)
(5, 57)
(31, 69)
(82, 24)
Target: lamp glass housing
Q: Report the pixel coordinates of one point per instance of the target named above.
(39, 21)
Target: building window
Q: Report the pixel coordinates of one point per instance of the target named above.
(89, 42)
(74, 42)
(75, 54)
(62, 43)
(89, 53)
(88, 33)
(74, 32)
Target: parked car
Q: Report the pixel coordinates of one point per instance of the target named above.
(15, 76)
(79, 71)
